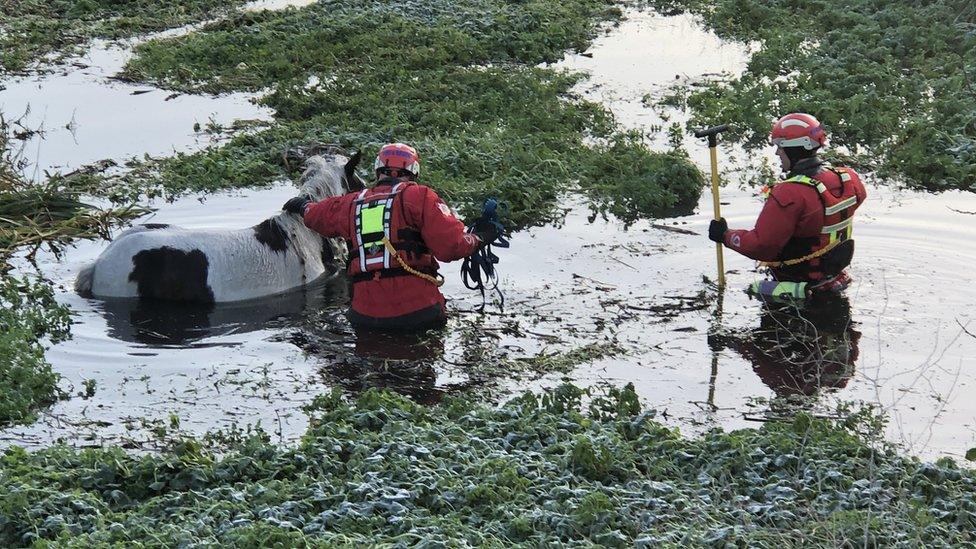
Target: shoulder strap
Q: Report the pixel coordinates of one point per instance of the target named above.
(372, 221)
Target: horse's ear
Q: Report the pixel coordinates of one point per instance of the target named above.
(353, 181)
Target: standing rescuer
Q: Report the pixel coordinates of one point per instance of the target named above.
(396, 231)
(803, 233)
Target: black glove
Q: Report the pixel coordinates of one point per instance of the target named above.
(486, 231)
(717, 229)
(297, 205)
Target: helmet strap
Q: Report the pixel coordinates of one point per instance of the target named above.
(796, 154)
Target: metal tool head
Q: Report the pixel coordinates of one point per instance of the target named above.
(712, 134)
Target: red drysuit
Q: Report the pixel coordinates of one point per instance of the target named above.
(792, 223)
(422, 229)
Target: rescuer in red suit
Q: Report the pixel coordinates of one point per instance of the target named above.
(396, 231)
(803, 233)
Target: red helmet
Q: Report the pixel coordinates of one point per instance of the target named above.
(798, 130)
(398, 156)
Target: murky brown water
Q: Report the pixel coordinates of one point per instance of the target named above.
(904, 347)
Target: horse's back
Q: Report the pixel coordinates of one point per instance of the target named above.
(160, 262)
(201, 266)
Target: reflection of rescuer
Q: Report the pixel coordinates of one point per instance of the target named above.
(803, 233)
(397, 231)
(801, 354)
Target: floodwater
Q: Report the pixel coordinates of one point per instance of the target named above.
(700, 357)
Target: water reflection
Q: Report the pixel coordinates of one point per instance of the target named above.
(159, 323)
(799, 351)
(363, 359)
(402, 362)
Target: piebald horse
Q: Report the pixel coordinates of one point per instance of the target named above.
(160, 261)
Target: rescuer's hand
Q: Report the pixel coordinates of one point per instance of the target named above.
(717, 229)
(297, 205)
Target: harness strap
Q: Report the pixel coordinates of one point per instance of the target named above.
(436, 280)
(365, 208)
(790, 262)
(385, 273)
(840, 206)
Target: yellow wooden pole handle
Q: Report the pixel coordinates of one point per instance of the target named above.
(717, 207)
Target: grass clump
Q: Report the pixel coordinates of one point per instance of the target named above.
(459, 80)
(891, 81)
(28, 314)
(31, 30)
(32, 215)
(51, 213)
(538, 471)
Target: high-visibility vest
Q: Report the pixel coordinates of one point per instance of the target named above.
(378, 216)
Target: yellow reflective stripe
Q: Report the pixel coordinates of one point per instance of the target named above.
(829, 229)
(373, 219)
(842, 205)
(806, 180)
(797, 290)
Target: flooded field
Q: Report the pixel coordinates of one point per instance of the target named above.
(702, 358)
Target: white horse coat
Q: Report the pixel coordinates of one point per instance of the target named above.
(281, 253)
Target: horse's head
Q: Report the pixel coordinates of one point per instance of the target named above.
(331, 174)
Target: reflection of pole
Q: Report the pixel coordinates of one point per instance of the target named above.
(712, 379)
(712, 135)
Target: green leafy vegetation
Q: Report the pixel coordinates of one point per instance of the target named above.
(32, 215)
(28, 314)
(30, 30)
(459, 80)
(538, 471)
(891, 81)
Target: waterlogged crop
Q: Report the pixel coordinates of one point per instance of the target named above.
(893, 82)
(459, 80)
(32, 29)
(539, 471)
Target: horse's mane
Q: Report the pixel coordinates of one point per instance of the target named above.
(323, 177)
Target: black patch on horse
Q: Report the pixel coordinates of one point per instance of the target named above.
(168, 273)
(154, 226)
(270, 233)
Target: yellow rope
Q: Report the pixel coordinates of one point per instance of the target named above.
(790, 262)
(438, 281)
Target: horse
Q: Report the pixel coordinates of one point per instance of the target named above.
(166, 262)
